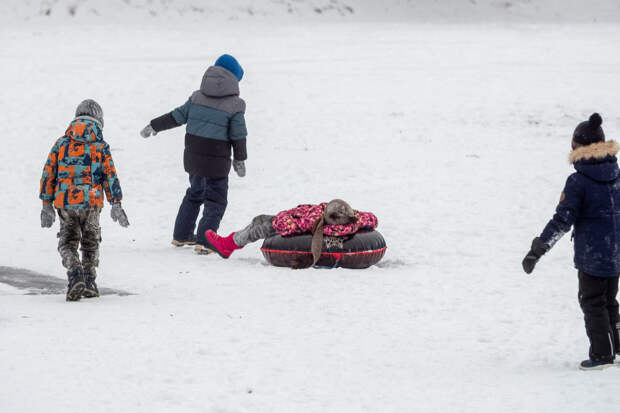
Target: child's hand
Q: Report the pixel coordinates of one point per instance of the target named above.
(239, 167)
(539, 248)
(48, 216)
(118, 215)
(147, 131)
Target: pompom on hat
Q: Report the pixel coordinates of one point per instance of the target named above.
(590, 131)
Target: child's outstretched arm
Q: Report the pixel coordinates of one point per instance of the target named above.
(47, 188)
(112, 188)
(170, 120)
(565, 216)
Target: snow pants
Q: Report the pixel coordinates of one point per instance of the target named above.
(597, 297)
(259, 228)
(207, 192)
(79, 227)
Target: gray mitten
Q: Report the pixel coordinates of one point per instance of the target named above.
(118, 215)
(48, 216)
(239, 167)
(147, 131)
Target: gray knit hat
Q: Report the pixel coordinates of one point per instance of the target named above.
(90, 108)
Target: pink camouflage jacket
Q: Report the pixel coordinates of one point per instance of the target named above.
(300, 219)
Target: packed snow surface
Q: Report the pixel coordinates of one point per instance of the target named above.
(201, 11)
(455, 136)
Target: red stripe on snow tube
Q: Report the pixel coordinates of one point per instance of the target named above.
(361, 250)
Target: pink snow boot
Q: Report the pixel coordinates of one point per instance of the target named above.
(223, 246)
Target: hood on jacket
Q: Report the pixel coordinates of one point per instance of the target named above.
(597, 161)
(84, 129)
(219, 82)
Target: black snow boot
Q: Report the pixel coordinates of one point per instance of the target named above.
(76, 284)
(596, 364)
(91, 290)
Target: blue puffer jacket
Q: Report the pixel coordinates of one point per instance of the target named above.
(215, 118)
(591, 203)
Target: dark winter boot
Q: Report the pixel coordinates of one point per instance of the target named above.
(596, 364)
(224, 246)
(90, 290)
(76, 284)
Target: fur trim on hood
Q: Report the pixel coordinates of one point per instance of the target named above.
(594, 151)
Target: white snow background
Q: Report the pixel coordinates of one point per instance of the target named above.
(453, 128)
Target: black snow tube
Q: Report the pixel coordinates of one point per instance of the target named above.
(361, 250)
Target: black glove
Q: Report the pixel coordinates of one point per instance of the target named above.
(539, 248)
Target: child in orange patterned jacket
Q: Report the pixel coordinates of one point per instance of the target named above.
(78, 171)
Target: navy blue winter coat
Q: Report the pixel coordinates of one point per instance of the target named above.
(591, 203)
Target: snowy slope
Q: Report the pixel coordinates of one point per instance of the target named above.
(197, 11)
(455, 136)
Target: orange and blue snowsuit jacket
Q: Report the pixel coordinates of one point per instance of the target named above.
(79, 169)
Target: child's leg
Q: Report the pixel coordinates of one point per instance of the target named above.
(593, 301)
(91, 237)
(259, 228)
(612, 310)
(69, 239)
(215, 201)
(190, 207)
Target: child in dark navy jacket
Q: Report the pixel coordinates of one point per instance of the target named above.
(215, 120)
(590, 204)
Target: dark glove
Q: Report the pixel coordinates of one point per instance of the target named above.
(539, 248)
(239, 167)
(48, 216)
(147, 131)
(118, 215)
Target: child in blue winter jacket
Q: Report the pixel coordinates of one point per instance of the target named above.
(590, 203)
(215, 120)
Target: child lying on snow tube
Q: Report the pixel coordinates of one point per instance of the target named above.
(335, 219)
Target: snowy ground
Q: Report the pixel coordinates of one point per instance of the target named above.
(197, 12)
(455, 136)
